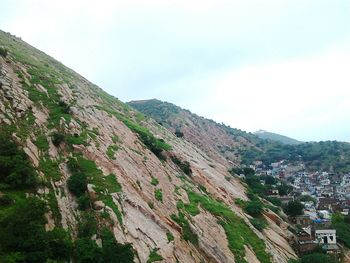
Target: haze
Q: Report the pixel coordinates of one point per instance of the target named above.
(281, 66)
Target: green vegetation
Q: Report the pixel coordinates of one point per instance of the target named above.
(237, 231)
(169, 236)
(115, 139)
(161, 111)
(57, 138)
(315, 258)
(155, 145)
(111, 184)
(16, 170)
(114, 252)
(325, 155)
(294, 208)
(86, 171)
(154, 256)
(158, 195)
(154, 181)
(77, 183)
(86, 249)
(254, 208)
(76, 139)
(183, 165)
(3, 52)
(342, 225)
(42, 143)
(111, 151)
(187, 232)
(50, 168)
(179, 133)
(23, 235)
(258, 223)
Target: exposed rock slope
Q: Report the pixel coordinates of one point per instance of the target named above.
(222, 143)
(162, 194)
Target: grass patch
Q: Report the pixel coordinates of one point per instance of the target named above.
(154, 256)
(154, 144)
(259, 223)
(169, 236)
(42, 143)
(158, 195)
(237, 231)
(111, 151)
(183, 165)
(154, 181)
(50, 169)
(187, 233)
(115, 138)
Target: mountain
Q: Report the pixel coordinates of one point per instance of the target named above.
(222, 143)
(276, 137)
(232, 147)
(86, 178)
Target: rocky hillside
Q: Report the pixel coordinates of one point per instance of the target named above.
(222, 143)
(230, 146)
(86, 178)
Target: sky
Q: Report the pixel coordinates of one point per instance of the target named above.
(276, 65)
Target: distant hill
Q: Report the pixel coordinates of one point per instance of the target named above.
(276, 137)
(226, 144)
(220, 142)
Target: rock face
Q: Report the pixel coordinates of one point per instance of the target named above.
(134, 185)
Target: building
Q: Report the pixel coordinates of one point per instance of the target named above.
(326, 236)
(303, 220)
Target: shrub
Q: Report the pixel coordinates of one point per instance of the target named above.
(275, 201)
(317, 258)
(158, 195)
(23, 235)
(16, 170)
(169, 236)
(64, 107)
(254, 208)
(111, 151)
(187, 232)
(41, 142)
(153, 256)
(83, 202)
(86, 250)
(5, 200)
(77, 184)
(294, 208)
(183, 165)
(112, 251)
(258, 223)
(179, 133)
(3, 52)
(57, 139)
(154, 181)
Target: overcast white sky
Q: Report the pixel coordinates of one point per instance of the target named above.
(278, 65)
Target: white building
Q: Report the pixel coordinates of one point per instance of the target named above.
(326, 236)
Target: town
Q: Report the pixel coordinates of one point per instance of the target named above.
(321, 202)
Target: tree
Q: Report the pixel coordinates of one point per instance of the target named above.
(337, 218)
(317, 258)
(284, 189)
(77, 184)
(294, 208)
(254, 208)
(270, 180)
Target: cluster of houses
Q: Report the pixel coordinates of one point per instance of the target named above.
(330, 194)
